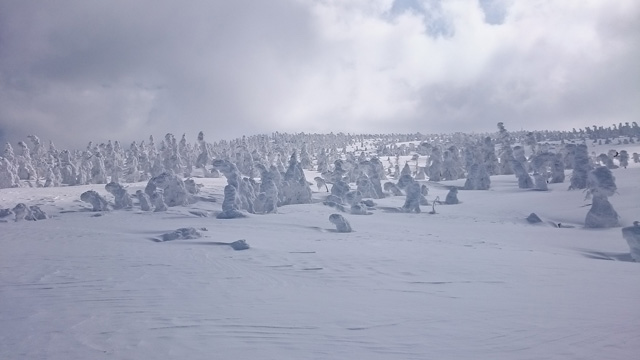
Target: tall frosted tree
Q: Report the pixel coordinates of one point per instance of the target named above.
(581, 168)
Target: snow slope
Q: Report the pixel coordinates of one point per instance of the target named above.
(474, 281)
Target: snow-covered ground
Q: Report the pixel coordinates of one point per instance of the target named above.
(473, 281)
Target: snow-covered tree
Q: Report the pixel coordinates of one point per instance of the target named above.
(581, 168)
(600, 185)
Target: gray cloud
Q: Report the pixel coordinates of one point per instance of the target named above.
(79, 70)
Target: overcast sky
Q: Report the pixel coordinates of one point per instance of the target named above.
(78, 70)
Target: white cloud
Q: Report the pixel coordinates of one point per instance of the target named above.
(124, 70)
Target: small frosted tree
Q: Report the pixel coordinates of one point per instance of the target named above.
(506, 153)
(624, 158)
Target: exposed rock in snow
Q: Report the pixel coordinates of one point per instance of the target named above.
(533, 218)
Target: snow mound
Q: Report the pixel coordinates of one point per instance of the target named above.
(181, 234)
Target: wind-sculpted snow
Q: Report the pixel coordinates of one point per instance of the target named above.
(122, 197)
(84, 287)
(96, 200)
(632, 235)
(601, 184)
(342, 225)
(452, 196)
(173, 189)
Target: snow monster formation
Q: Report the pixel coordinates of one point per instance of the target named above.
(267, 198)
(242, 195)
(601, 184)
(342, 225)
(295, 187)
(96, 200)
(122, 197)
(452, 196)
(412, 201)
(173, 189)
(8, 174)
(144, 200)
(581, 168)
(230, 208)
(478, 178)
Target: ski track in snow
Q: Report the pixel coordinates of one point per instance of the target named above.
(472, 281)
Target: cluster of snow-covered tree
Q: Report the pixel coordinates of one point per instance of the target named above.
(278, 161)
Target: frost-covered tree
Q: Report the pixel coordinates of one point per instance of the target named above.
(489, 158)
(305, 158)
(8, 174)
(230, 208)
(412, 201)
(371, 170)
(607, 161)
(449, 167)
(295, 186)
(557, 169)
(600, 185)
(172, 187)
(506, 152)
(519, 156)
(98, 171)
(524, 180)
(26, 170)
(477, 178)
(624, 158)
(581, 168)
(434, 170)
